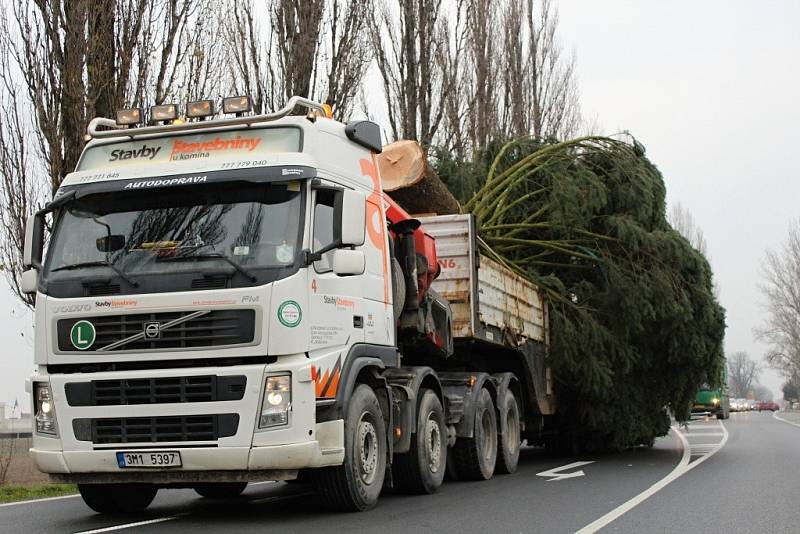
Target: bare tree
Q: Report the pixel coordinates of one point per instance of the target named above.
(409, 40)
(318, 49)
(552, 88)
(683, 222)
(7, 450)
(540, 93)
(780, 288)
(485, 61)
(19, 186)
(762, 393)
(67, 61)
(743, 373)
(510, 76)
(346, 52)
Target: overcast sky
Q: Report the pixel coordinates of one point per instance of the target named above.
(710, 88)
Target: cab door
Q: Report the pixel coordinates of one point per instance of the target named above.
(336, 302)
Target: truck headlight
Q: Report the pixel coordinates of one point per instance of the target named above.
(715, 401)
(277, 401)
(45, 409)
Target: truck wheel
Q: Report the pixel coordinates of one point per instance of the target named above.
(509, 438)
(398, 288)
(421, 469)
(221, 490)
(117, 498)
(475, 457)
(355, 485)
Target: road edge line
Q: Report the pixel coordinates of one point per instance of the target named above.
(775, 416)
(45, 499)
(131, 525)
(681, 469)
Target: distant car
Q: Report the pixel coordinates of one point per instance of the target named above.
(752, 405)
(768, 405)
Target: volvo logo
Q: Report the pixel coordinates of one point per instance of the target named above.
(152, 330)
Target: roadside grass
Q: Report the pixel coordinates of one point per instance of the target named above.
(14, 493)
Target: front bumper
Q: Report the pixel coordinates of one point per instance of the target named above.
(705, 408)
(248, 454)
(229, 464)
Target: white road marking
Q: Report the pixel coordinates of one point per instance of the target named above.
(131, 525)
(178, 516)
(784, 420)
(696, 434)
(683, 467)
(31, 501)
(555, 472)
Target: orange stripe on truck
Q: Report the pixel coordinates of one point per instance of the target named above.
(375, 207)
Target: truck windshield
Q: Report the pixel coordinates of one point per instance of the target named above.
(234, 228)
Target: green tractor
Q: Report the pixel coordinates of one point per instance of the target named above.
(714, 401)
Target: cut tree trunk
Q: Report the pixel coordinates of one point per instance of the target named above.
(409, 180)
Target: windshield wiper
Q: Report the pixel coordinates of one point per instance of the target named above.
(196, 257)
(101, 263)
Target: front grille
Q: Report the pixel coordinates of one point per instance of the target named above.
(209, 283)
(212, 329)
(98, 290)
(164, 429)
(162, 390)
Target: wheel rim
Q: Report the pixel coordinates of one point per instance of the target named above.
(489, 444)
(433, 443)
(367, 449)
(512, 428)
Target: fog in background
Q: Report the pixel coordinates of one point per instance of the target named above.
(710, 88)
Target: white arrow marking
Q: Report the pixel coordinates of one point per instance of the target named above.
(562, 476)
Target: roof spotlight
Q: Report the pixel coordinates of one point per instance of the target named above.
(128, 117)
(165, 112)
(236, 104)
(200, 109)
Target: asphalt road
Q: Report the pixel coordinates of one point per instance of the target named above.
(740, 477)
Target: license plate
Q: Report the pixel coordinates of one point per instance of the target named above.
(149, 459)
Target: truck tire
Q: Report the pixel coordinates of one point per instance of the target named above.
(356, 485)
(509, 438)
(117, 498)
(398, 288)
(475, 457)
(221, 490)
(421, 470)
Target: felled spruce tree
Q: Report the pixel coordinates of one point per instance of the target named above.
(635, 326)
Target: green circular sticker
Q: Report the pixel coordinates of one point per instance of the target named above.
(289, 313)
(82, 335)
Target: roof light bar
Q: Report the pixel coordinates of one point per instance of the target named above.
(165, 112)
(200, 109)
(102, 128)
(127, 117)
(236, 104)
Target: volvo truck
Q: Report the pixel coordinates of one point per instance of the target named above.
(225, 299)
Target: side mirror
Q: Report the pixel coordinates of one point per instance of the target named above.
(29, 282)
(348, 262)
(349, 218)
(34, 241)
(111, 243)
